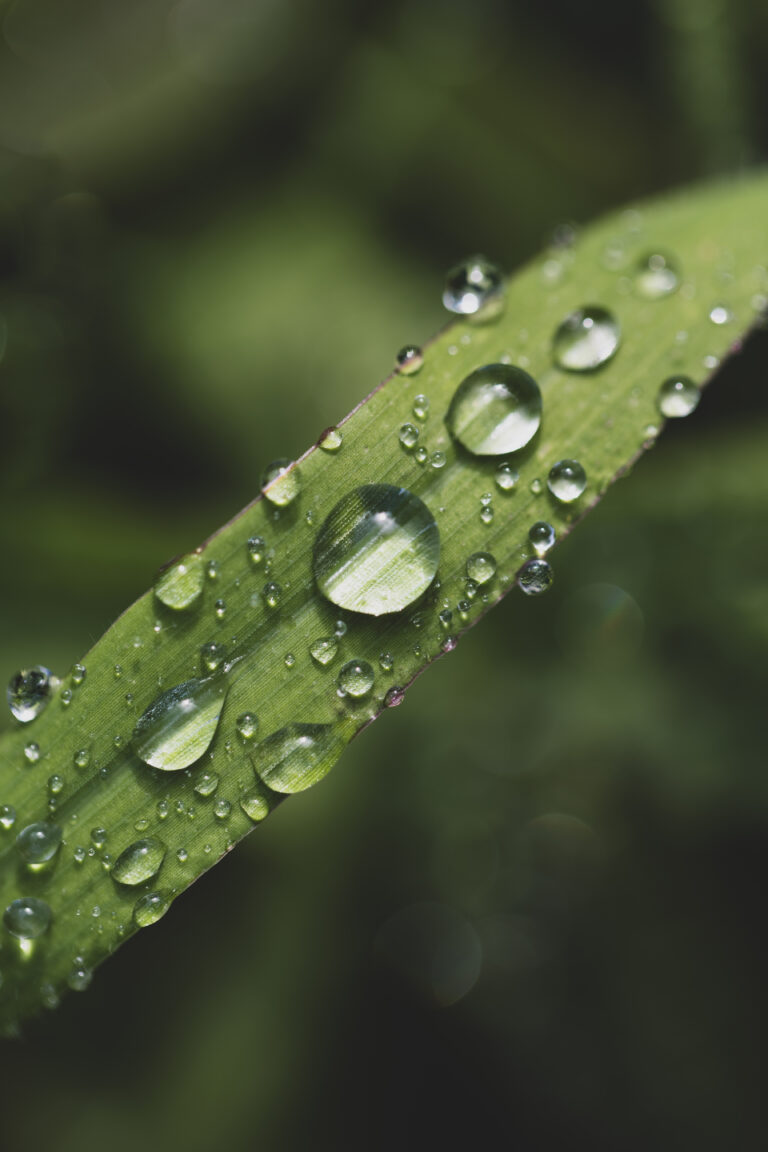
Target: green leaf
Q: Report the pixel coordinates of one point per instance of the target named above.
(241, 645)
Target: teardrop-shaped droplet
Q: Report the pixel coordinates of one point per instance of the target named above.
(139, 862)
(586, 339)
(656, 276)
(535, 577)
(567, 480)
(38, 843)
(495, 410)
(29, 692)
(180, 585)
(481, 567)
(281, 482)
(472, 286)
(297, 756)
(150, 907)
(377, 551)
(179, 726)
(27, 917)
(678, 396)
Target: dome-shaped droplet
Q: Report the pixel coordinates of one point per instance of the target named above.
(206, 783)
(495, 410)
(356, 678)
(678, 396)
(421, 406)
(180, 585)
(29, 692)
(323, 650)
(247, 724)
(332, 441)
(408, 436)
(281, 482)
(257, 547)
(139, 862)
(377, 551)
(179, 726)
(542, 536)
(409, 360)
(586, 339)
(297, 756)
(473, 285)
(481, 567)
(535, 577)
(27, 917)
(506, 477)
(567, 480)
(149, 908)
(656, 276)
(255, 804)
(79, 976)
(7, 816)
(38, 843)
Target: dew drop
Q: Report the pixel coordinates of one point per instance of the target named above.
(720, 315)
(281, 483)
(247, 725)
(535, 577)
(409, 360)
(29, 691)
(297, 756)
(220, 608)
(149, 908)
(332, 441)
(495, 410)
(438, 459)
(272, 595)
(473, 286)
(7, 817)
(386, 661)
(356, 679)
(481, 567)
(180, 586)
(222, 809)
(212, 656)
(678, 396)
(377, 551)
(408, 436)
(656, 276)
(506, 477)
(78, 674)
(81, 758)
(79, 976)
(139, 862)
(38, 843)
(542, 537)
(206, 783)
(421, 455)
(257, 547)
(323, 650)
(56, 784)
(180, 725)
(32, 752)
(567, 480)
(27, 917)
(486, 514)
(586, 339)
(420, 407)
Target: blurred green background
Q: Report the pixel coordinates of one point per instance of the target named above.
(526, 907)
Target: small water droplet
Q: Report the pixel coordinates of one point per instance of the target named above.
(542, 537)
(257, 548)
(206, 783)
(180, 586)
(438, 459)
(394, 697)
(65, 697)
(421, 455)
(377, 551)
(281, 483)
(182, 855)
(386, 661)
(297, 756)
(656, 276)
(78, 674)
(81, 758)
(481, 567)
(38, 843)
(420, 407)
(445, 617)
(408, 436)
(678, 396)
(7, 816)
(79, 976)
(567, 480)
(272, 595)
(178, 727)
(212, 656)
(474, 286)
(535, 577)
(29, 691)
(486, 514)
(587, 338)
(247, 725)
(220, 608)
(27, 918)
(149, 908)
(56, 784)
(323, 650)
(720, 315)
(32, 752)
(409, 360)
(255, 804)
(536, 487)
(506, 477)
(495, 410)
(449, 643)
(332, 441)
(139, 862)
(222, 809)
(356, 679)
(212, 570)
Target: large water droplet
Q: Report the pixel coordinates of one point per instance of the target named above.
(297, 756)
(27, 917)
(356, 678)
(535, 577)
(255, 804)
(179, 726)
(567, 480)
(473, 285)
(179, 586)
(139, 862)
(678, 396)
(377, 551)
(656, 276)
(281, 482)
(29, 692)
(38, 843)
(586, 339)
(495, 410)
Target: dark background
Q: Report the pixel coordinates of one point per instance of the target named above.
(527, 908)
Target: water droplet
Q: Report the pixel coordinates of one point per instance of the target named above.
(206, 783)
(179, 586)
(222, 809)
(438, 459)
(409, 360)
(356, 678)
(80, 975)
(386, 661)
(535, 577)
(149, 908)
(65, 698)
(180, 725)
(394, 697)
(445, 617)
(98, 837)
(297, 756)
(139, 862)
(117, 671)
(473, 286)
(449, 643)
(720, 315)
(56, 784)
(332, 441)
(32, 752)
(272, 594)
(536, 487)
(542, 536)
(27, 918)
(409, 435)
(247, 724)
(420, 407)
(38, 843)
(281, 483)
(257, 548)
(220, 608)
(377, 551)
(567, 480)
(182, 855)
(656, 276)
(212, 656)
(323, 650)
(481, 567)
(495, 410)
(212, 570)
(421, 455)
(29, 692)
(678, 396)
(78, 674)
(255, 804)
(7, 816)
(81, 758)
(506, 477)
(586, 339)
(486, 514)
